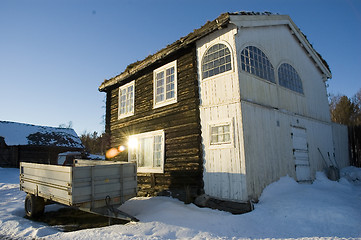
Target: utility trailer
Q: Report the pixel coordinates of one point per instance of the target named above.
(98, 187)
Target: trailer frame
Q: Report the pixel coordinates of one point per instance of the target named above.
(98, 187)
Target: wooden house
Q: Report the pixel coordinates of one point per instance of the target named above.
(225, 110)
(21, 142)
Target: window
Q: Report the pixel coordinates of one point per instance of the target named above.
(254, 61)
(220, 134)
(147, 149)
(216, 60)
(289, 78)
(126, 100)
(165, 85)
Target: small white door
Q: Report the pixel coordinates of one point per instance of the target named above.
(300, 154)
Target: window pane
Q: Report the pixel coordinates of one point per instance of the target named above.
(215, 60)
(165, 84)
(220, 138)
(160, 75)
(289, 78)
(145, 149)
(227, 137)
(228, 67)
(214, 139)
(160, 83)
(157, 151)
(160, 87)
(254, 61)
(148, 152)
(160, 98)
(220, 134)
(226, 128)
(126, 99)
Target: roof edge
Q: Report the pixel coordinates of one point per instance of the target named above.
(284, 19)
(210, 26)
(317, 57)
(133, 68)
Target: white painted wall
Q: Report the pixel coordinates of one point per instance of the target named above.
(224, 170)
(270, 110)
(268, 145)
(262, 113)
(281, 46)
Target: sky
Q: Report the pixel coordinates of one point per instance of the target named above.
(55, 54)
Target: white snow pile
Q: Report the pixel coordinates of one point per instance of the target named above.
(352, 174)
(286, 210)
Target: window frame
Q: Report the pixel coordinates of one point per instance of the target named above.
(155, 86)
(132, 157)
(288, 88)
(263, 63)
(222, 73)
(130, 113)
(228, 144)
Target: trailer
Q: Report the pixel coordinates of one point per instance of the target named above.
(98, 187)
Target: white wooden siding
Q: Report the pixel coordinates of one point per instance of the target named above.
(268, 145)
(280, 46)
(224, 171)
(263, 114)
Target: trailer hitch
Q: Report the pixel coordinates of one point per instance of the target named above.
(113, 212)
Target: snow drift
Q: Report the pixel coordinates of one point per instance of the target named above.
(286, 210)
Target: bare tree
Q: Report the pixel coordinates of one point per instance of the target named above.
(95, 143)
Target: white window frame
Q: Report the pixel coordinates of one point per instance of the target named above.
(228, 144)
(165, 101)
(134, 154)
(130, 113)
(258, 66)
(291, 83)
(222, 73)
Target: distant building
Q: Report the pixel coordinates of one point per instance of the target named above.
(21, 142)
(226, 110)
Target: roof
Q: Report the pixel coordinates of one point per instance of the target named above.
(221, 22)
(26, 134)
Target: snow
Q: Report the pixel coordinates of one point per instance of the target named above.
(352, 174)
(25, 134)
(286, 210)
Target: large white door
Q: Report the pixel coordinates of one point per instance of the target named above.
(300, 154)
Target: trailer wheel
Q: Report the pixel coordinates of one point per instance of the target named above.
(34, 206)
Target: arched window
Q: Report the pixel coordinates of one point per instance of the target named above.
(254, 61)
(216, 60)
(289, 78)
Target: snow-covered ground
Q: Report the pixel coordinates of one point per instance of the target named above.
(286, 210)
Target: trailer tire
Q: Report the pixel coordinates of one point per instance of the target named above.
(34, 206)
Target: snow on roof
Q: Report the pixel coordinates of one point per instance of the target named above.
(27, 134)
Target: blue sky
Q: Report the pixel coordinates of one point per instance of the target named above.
(55, 54)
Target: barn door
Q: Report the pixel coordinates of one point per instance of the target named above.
(300, 154)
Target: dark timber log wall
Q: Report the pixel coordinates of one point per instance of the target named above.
(11, 156)
(180, 122)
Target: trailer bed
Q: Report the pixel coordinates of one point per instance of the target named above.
(89, 185)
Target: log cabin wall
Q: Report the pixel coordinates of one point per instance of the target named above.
(11, 156)
(180, 121)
